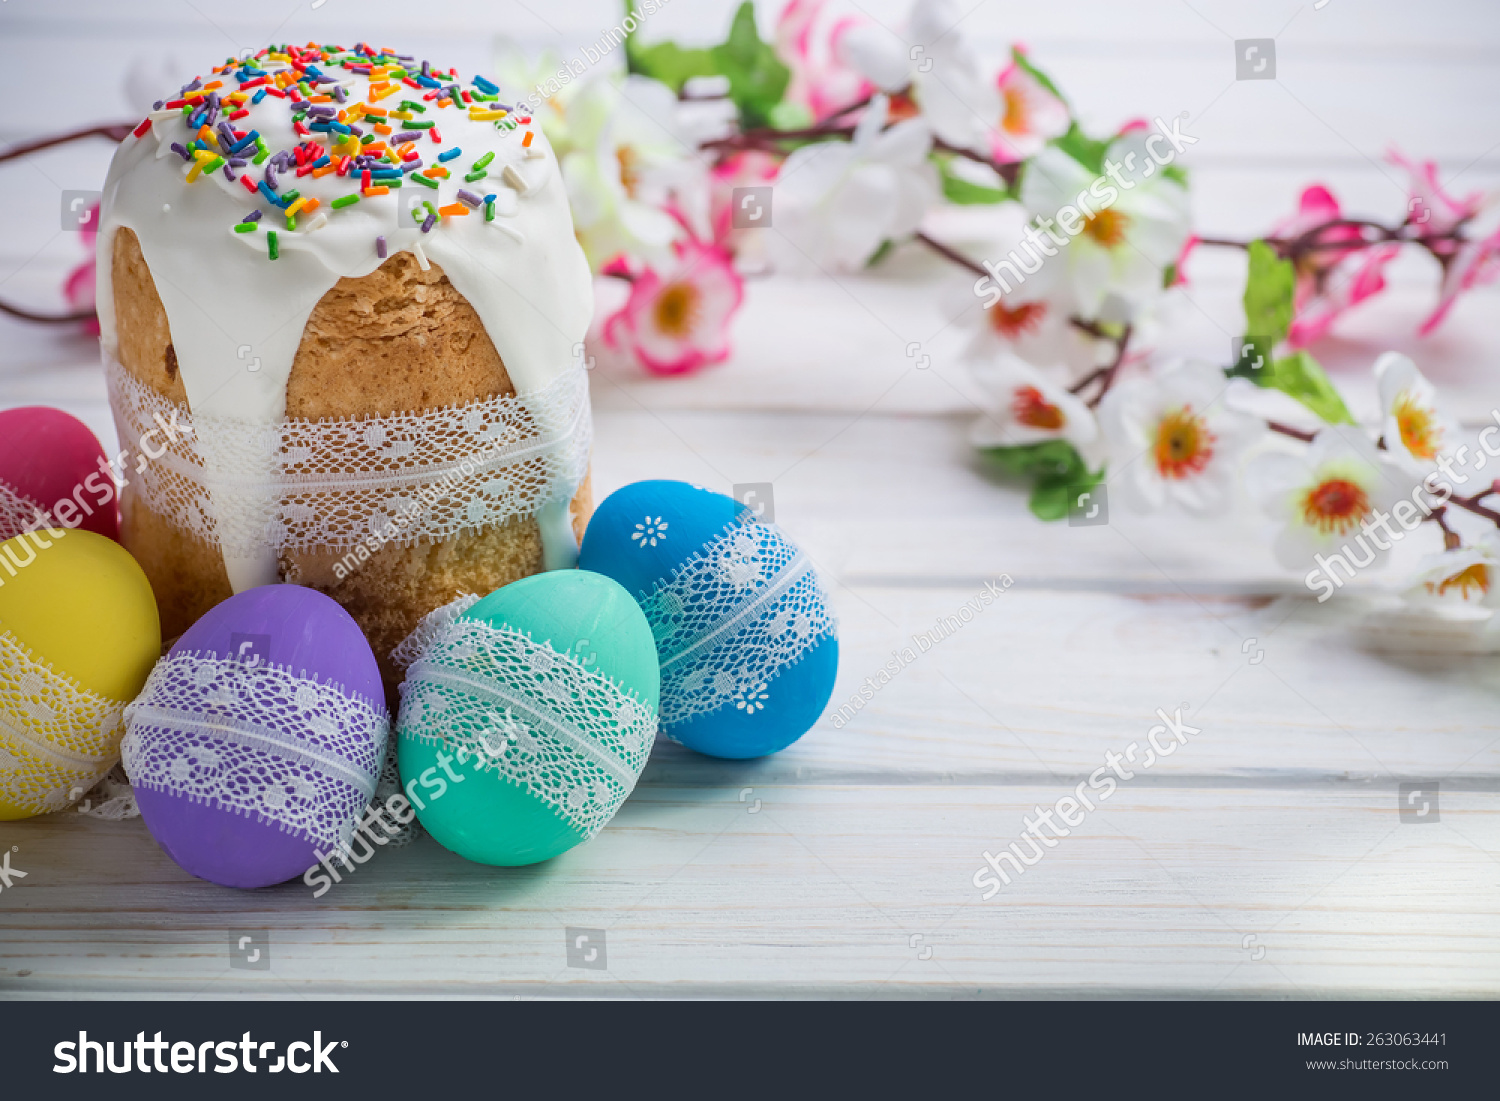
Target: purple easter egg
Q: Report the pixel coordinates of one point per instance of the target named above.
(258, 737)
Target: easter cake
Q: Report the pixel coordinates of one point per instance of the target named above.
(342, 307)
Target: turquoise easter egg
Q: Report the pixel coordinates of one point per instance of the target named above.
(747, 643)
(527, 716)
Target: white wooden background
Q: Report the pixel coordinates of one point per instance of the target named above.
(1265, 859)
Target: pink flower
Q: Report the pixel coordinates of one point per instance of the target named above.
(1431, 209)
(78, 287)
(677, 320)
(1473, 263)
(1330, 281)
(746, 168)
(1029, 116)
(820, 81)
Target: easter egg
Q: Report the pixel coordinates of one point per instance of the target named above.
(256, 745)
(78, 636)
(52, 461)
(527, 716)
(747, 643)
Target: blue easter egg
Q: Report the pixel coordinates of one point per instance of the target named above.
(255, 746)
(746, 640)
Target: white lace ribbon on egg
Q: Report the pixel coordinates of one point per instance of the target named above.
(19, 513)
(570, 736)
(731, 617)
(57, 739)
(403, 479)
(259, 740)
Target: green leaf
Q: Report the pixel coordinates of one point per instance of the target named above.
(1268, 293)
(964, 192)
(1050, 458)
(1058, 472)
(1300, 376)
(1176, 173)
(1087, 151)
(668, 62)
(787, 115)
(757, 78)
(885, 249)
(1024, 64)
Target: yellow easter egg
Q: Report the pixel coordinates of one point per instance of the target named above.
(79, 634)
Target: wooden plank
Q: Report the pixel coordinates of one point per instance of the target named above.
(824, 890)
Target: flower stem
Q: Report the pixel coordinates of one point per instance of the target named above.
(1288, 430)
(1104, 375)
(949, 253)
(113, 131)
(46, 318)
(1370, 233)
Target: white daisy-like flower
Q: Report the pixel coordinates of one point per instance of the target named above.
(1325, 495)
(837, 201)
(1116, 246)
(1469, 575)
(1174, 441)
(1025, 407)
(751, 700)
(1414, 430)
(651, 531)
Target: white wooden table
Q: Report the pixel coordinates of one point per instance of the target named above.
(1266, 858)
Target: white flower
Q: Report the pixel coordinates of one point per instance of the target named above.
(1027, 407)
(1413, 428)
(634, 149)
(525, 77)
(651, 531)
(1467, 575)
(1005, 116)
(1033, 320)
(1174, 441)
(1326, 495)
(1115, 239)
(836, 202)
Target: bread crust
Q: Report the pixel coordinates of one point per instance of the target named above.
(400, 339)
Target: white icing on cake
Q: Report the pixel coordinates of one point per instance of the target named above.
(237, 317)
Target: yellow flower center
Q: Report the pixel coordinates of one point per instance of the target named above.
(1335, 506)
(1475, 578)
(1420, 430)
(1011, 322)
(630, 168)
(1107, 227)
(1015, 118)
(1184, 445)
(677, 309)
(1031, 409)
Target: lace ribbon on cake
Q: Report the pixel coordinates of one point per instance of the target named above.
(309, 484)
(258, 740)
(19, 514)
(570, 736)
(57, 739)
(731, 617)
